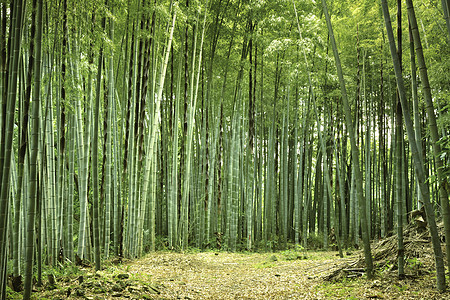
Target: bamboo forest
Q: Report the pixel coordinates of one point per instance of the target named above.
(137, 128)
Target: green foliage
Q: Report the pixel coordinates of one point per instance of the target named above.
(346, 289)
(10, 294)
(63, 273)
(401, 288)
(315, 241)
(386, 267)
(69, 270)
(279, 74)
(273, 243)
(414, 265)
(298, 252)
(264, 265)
(162, 243)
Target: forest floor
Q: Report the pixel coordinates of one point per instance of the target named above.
(221, 275)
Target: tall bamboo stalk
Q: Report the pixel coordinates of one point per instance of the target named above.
(151, 144)
(354, 149)
(7, 132)
(432, 125)
(33, 158)
(95, 174)
(418, 164)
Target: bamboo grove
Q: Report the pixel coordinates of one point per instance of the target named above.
(129, 126)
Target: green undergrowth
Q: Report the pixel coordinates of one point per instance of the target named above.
(345, 289)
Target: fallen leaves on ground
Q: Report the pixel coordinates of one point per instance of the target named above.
(222, 275)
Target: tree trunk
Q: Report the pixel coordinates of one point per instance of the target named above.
(95, 175)
(442, 179)
(33, 186)
(7, 132)
(418, 164)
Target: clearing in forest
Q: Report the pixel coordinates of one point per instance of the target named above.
(220, 275)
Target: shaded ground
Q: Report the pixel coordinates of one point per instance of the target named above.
(221, 275)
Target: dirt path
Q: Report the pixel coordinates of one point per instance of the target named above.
(228, 276)
(284, 275)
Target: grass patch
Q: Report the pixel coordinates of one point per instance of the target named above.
(347, 289)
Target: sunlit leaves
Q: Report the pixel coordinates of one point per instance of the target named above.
(278, 45)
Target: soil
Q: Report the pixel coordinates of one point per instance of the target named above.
(220, 275)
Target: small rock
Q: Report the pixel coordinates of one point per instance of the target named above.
(51, 279)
